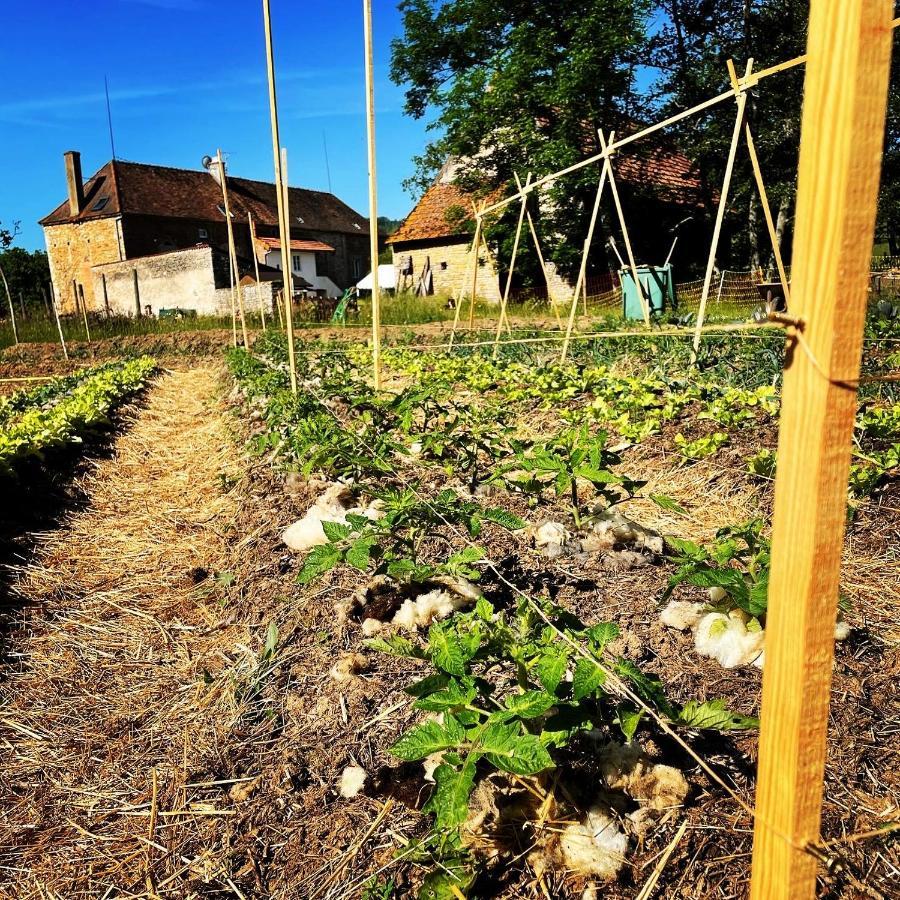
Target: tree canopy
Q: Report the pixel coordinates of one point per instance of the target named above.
(523, 85)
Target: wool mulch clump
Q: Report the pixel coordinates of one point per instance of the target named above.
(104, 713)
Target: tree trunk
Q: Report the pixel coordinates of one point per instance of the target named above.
(753, 232)
(783, 218)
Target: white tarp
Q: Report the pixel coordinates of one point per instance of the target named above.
(387, 279)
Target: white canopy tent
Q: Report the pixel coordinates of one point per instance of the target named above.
(387, 279)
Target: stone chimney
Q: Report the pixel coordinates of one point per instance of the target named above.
(74, 181)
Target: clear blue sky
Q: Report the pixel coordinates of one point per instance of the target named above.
(186, 77)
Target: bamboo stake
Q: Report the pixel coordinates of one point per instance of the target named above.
(767, 212)
(645, 304)
(12, 312)
(479, 230)
(582, 272)
(232, 251)
(848, 69)
(87, 328)
(540, 256)
(262, 313)
(512, 265)
(373, 193)
(280, 191)
(473, 253)
(720, 214)
(489, 256)
(234, 342)
(279, 299)
(62, 340)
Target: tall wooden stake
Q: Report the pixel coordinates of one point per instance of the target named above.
(12, 312)
(767, 212)
(582, 272)
(512, 265)
(645, 303)
(720, 214)
(87, 328)
(473, 252)
(373, 193)
(844, 108)
(232, 251)
(62, 340)
(262, 314)
(280, 191)
(540, 256)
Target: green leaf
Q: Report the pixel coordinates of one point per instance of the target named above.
(484, 610)
(687, 549)
(446, 652)
(527, 705)
(318, 561)
(551, 668)
(335, 531)
(603, 633)
(271, 641)
(450, 800)
(714, 715)
(629, 719)
(588, 676)
(396, 645)
(448, 882)
(359, 554)
(647, 687)
(429, 737)
(452, 696)
(668, 504)
(437, 681)
(503, 518)
(511, 751)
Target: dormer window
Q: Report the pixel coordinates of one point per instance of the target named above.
(300, 220)
(356, 225)
(100, 204)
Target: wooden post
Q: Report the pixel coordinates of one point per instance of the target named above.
(719, 292)
(233, 305)
(232, 251)
(473, 252)
(848, 68)
(280, 194)
(540, 256)
(22, 304)
(137, 293)
(46, 302)
(62, 340)
(512, 265)
(582, 272)
(720, 214)
(479, 233)
(279, 299)
(262, 314)
(105, 295)
(645, 303)
(87, 328)
(373, 192)
(767, 211)
(12, 312)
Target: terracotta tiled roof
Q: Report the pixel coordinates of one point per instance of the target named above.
(428, 220)
(193, 194)
(275, 244)
(673, 176)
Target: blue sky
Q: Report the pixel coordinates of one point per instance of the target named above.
(186, 77)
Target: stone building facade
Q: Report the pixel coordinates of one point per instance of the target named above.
(130, 212)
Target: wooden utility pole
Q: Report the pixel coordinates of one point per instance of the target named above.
(741, 99)
(262, 313)
(62, 340)
(373, 192)
(232, 251)
(280, 190)
(12, 312)
(848, 67)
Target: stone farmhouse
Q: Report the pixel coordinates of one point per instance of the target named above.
(137, 238)
(432, 248)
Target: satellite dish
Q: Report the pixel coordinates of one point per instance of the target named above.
(206, 162)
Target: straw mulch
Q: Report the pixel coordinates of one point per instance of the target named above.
(104, 716)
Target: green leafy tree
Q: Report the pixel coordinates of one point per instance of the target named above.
(519, 86)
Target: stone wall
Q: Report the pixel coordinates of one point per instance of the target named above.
(185, 279)
(73, 250)
(451, 267)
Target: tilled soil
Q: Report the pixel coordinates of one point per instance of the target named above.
(155, 748)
